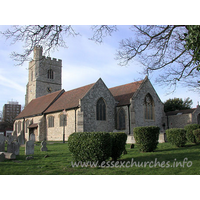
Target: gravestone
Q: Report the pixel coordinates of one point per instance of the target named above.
(32, 136)
(9, 156)
(29, 147)
(43, 148)
(10, 139)
(2, 143)
(2, 157)
(20, 139)
(10, 147)
(13, 148)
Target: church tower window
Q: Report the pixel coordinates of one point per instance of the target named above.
(149, 107)
(50, 74)
(121, 121)
(101, 110)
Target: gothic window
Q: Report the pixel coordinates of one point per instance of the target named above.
(26, 126)
(50, 74)
(63, 120)
(19, 127)
(149, 107)
(51, 121)
(16, 126)
(101, 110)
(121, 121)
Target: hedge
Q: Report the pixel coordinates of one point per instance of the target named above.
(147, 137)
(118, 144)
(90, 146)
(196, 134)
(176, 136)
(96, 146)
(189, 132)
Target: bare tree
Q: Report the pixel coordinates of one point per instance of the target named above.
(161, 48)
(158, 48)
(48, 36)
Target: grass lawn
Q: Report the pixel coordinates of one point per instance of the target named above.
(59, 162)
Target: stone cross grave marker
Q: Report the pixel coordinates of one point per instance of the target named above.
(29, 147)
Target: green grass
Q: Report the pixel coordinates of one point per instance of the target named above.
(59, 162)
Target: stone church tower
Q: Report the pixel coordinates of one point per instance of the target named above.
(44, 75)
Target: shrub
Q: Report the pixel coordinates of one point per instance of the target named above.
(189, 132)
(118, 144)
(147, 137)
(90, 146)
(176, 136)
(196, 134)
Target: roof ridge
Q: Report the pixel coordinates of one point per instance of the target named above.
(79, 87)
(125, 84)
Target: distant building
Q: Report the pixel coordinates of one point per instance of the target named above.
(10, 111)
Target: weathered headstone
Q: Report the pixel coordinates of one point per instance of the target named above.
(43, 148)
(9, 155)
(10, 139)
(20, 139)
(32, 136)
(10, 147)
(2, 157)
(15, 147)
(2, 143)
(29, 147)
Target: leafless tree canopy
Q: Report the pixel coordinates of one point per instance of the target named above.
(48, 36)
(158, 48)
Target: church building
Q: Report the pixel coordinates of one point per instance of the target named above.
(51, 113)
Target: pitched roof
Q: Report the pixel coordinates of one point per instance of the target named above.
(123, 93)
(39, 105)
(180, 112)
(69, 99)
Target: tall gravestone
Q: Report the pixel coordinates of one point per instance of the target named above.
(29, 147)
(2, 143)
(20, 139)
(43, 144)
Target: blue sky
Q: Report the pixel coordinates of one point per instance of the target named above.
(83, 62)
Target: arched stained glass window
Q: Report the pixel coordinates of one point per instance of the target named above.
(149, 107)
(101, 109)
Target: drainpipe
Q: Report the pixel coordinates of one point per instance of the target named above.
(129, 121)
(23, 132)
(75, 119)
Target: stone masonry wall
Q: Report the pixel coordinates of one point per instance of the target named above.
(56, 133)
(137, 108)
(88, 107)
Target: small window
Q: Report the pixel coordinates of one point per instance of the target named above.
(26, 126)
(50, 74)
(51, 121)
(121, 121)
(101, 109)
(63, 120)
(149, 107)
(19, 127)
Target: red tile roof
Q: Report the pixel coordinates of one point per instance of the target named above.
(39, 105)
(123, 93)
(69, 99)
